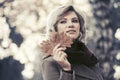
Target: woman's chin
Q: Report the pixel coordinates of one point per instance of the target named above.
(72, 36)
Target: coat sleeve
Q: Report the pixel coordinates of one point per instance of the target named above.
(51, 71)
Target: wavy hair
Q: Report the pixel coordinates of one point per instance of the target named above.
(54, 16)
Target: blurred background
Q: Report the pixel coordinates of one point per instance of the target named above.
(22, 28)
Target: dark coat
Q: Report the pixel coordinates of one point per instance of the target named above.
(51, 70)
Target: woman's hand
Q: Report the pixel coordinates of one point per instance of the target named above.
(61, 57)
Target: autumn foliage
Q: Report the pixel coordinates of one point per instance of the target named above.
(55, 38)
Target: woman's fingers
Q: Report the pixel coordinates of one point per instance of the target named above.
(58, 48)
(58, 52)
(61, 58)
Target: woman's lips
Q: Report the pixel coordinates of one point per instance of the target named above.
(71, 31)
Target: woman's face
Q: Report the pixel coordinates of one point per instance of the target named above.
(69, 24)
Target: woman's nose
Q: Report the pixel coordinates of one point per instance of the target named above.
(70, 25)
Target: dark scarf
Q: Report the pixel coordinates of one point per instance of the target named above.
(78, 53)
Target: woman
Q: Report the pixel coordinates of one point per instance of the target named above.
(69, 63)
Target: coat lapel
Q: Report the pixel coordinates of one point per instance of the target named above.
(85, 71)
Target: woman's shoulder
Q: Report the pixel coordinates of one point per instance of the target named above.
(50, 63)
(48, 60)
(46, 57)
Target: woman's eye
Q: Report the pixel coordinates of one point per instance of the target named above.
(75, 21)
(62, 22)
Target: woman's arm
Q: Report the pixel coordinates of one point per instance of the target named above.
(51, 70)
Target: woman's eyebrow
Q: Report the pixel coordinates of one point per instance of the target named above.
(66, 18)
(75, 18)
(62, 19)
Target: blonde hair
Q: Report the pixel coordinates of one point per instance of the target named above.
(53, 17)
